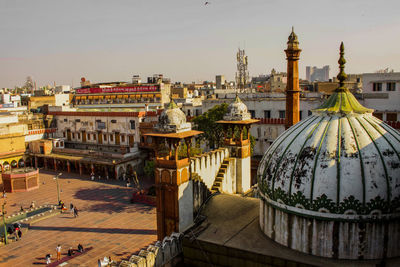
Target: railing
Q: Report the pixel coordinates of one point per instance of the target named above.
(394, 124)
(270, 121)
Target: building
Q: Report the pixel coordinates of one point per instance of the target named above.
(276, 82)
(103, 143)
(121, 95)
(317, 74)
(381, 91)
(353, 83)
(220, 81)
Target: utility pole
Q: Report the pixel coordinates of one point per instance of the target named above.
(58, 186)
(3, 211)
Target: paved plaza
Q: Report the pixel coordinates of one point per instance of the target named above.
(107, 221)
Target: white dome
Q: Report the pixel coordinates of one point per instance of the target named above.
(172, 119)
(330, 184)
(237, 111)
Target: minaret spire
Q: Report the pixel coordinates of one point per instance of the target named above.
(292, 87)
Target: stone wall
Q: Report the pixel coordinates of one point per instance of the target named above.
(163, 253)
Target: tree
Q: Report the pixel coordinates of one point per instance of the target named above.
(213, 132)
(28, 84)
(149, 168)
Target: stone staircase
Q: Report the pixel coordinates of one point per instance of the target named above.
(217, 186)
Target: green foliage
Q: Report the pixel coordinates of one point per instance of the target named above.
(149, 168)
(213, 132)
(194, 150)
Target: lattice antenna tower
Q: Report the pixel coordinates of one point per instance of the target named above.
(242, 74)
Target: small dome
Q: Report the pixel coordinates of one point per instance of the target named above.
(237, 111)
(172, 120)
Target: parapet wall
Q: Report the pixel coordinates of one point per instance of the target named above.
(159, 254)
(208, 164)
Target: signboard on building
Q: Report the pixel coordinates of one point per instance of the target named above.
(133, 89)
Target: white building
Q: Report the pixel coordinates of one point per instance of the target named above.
(381, 92)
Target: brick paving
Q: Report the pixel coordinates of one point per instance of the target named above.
(107, 222)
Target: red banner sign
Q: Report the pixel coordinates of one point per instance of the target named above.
(141, 88)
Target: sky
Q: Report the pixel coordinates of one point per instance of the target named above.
(58, 41)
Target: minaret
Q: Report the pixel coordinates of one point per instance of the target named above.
(292, 87)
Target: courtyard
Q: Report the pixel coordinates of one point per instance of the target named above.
(107, 221)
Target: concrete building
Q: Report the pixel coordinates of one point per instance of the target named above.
(120, 95)
(103, 143)
(276, 82)
(317, 74)
(220, 81)
(381, 91)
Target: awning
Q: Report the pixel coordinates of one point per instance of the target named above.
(158, 95)
(132, 96)
(137, 96)
(100, 97)
(83, 97)
(95, 97)
(125, 96)
(77, 98)
(145, 96)
(107, 97)
(113, 96)
(119, 96)
(90, 97)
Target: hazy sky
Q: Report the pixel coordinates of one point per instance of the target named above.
(109, 40)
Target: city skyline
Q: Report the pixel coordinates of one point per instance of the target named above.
(187, 41)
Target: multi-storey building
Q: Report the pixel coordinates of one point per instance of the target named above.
(104, 96)
(317, 74)
(101, 143)
(381, 91)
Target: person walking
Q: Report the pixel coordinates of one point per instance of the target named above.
(58, 250)
(71, 207)
(75, 212)
(19, 234)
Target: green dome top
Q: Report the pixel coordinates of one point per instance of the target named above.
(342, 100)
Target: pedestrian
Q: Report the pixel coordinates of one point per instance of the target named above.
(80, 248)
(71, 207)
(70, 252)
(99, 262)
(75, 212)
(16, 235)
(32, 205)
(22, 209)
(99, 177)
(48, 259)
(58, 250)
(19, 234)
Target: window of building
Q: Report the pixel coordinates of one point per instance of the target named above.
(391, 87)
(122, 138)
(73, 135)
(88, 136)
(309, 113)
(79, 135)
(282, 114)
(64, 134)
(252, 113)
(377, 87)
(132, 122)
(267, 114)
(105, 137)
(113, 121)
(301, 114)
(94, 137)
(111, 137)
(65, 120)
(77, 120)
(391, 116)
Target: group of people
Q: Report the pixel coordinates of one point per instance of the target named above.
(70, 252)
(16, 230)
(74, 210)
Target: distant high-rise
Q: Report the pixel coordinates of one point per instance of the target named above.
(219, 81)
(317, 74)
(242, 75)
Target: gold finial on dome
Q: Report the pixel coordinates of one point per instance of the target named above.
(342, 76)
